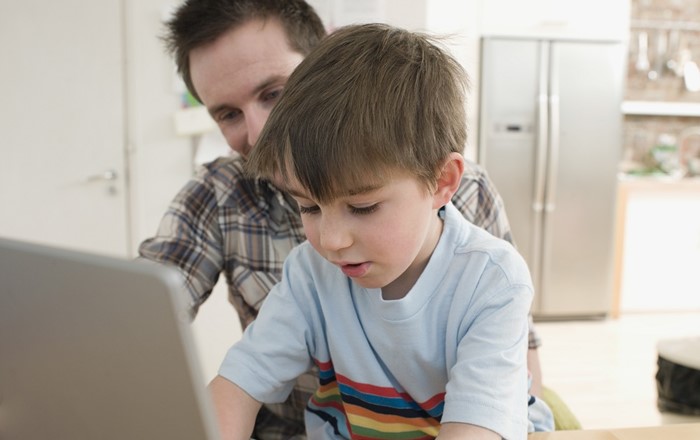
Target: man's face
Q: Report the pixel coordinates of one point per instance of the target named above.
(239, 78)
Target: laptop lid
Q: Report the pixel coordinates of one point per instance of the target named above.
(94, 347)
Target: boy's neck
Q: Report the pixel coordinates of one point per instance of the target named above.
(400, 287)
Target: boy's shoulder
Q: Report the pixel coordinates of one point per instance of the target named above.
(479, 245)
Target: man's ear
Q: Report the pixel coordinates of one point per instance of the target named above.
(449, 180)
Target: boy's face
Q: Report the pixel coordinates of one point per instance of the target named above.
(380, 236)
(239, 78)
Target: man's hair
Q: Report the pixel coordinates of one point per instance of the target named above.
(198, 22)
(368, 101)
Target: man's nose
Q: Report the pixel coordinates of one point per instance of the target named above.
(255, 121)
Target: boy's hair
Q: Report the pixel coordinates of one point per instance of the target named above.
(198, 22)
(368, 101)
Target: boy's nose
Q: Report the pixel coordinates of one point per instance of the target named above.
(334, 234)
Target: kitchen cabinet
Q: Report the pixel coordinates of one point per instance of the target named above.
(658, 245)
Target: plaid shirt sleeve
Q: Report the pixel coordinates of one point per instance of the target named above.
(190, 239)
(479, 202)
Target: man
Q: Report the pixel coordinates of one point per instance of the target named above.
(235, 57)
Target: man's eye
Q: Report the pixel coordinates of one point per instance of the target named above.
(308, 209)
(272, 95)
(228, 116)
(364, 209)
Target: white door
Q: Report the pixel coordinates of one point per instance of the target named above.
(62, 124)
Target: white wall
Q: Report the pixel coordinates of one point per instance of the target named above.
(591, 19)
(160, 161)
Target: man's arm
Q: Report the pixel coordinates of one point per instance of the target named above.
(235, 409)
(189, 238)
(533, 365)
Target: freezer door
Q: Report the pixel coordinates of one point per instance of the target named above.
(510, 88)
(586, 86)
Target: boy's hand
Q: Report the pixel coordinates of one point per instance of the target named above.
(464, 431)
(235, 409)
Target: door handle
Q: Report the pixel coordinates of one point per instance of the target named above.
(106, 176)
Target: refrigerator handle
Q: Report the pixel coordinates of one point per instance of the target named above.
(554, 133)
(542, 131)
(540, 170)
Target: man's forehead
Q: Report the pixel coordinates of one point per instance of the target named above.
(242, 61)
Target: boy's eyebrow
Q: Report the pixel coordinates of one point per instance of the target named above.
(352, 192)
(296, 193)
(363, 189)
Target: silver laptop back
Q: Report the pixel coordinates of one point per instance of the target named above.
(93, 347)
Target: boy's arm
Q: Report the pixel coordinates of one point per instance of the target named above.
(465, 430)
(235, 409)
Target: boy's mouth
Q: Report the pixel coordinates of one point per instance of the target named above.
(355, 270)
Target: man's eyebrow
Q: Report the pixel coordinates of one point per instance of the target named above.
(268, 82)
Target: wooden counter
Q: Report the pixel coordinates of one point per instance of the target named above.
(689, 431)
(661, 188)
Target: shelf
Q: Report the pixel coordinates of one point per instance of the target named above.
(665, 25)
(660, 108)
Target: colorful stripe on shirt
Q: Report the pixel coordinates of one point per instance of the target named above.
(362, 411)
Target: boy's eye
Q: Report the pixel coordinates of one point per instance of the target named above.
(363, 210)
(308, 209)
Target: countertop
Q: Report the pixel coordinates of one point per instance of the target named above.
(690, 431)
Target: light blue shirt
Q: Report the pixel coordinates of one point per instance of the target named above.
(454, 348)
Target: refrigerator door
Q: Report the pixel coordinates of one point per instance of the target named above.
(585, 135)
(508, 146)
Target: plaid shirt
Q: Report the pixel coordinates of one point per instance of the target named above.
(225, 222)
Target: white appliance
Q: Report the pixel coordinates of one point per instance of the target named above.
(551, 139)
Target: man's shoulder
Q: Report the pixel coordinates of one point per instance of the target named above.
(475, 180)
(223, 168)
(473, 171)
(227, 176)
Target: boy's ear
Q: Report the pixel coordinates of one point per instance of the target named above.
(449, 180)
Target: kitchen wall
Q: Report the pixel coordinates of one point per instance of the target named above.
(662, 103)
(659, 202)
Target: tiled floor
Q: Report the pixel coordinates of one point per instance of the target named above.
(604, 370)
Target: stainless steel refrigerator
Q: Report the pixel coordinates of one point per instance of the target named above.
(550, 137)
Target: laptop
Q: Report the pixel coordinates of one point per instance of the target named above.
(94, 347)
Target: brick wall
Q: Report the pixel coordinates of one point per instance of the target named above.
(674, 24)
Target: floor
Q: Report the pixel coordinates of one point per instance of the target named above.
(604, 370)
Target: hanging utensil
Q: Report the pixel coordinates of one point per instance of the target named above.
(642, 64)
(691, 76)
(674, 46)
(660, 55)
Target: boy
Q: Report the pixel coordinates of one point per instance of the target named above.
(416, 318)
